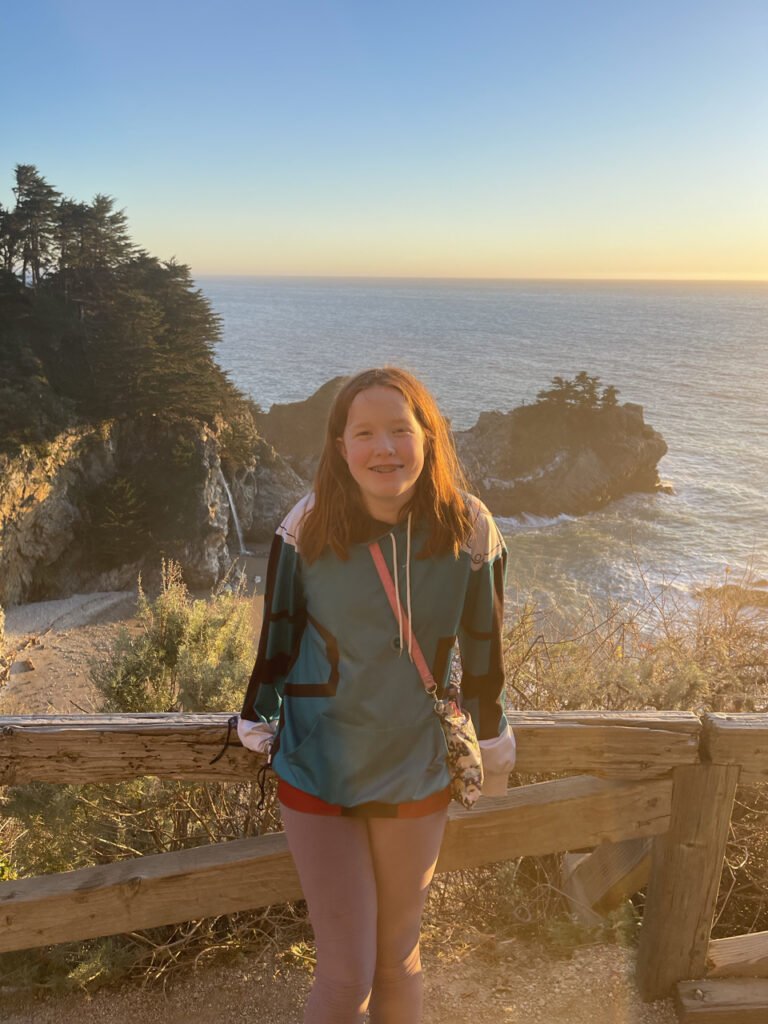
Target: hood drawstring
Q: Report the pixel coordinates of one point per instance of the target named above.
(407, 588)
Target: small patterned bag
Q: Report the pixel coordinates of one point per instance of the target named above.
(465, 762)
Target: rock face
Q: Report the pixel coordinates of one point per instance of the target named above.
(297, 429)
(101, 504)
(540, 459)
(547, 461)
(264, 490)
(38, 507)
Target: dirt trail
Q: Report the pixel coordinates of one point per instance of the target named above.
(508, 983)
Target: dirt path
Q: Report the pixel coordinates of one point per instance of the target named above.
(505, 984)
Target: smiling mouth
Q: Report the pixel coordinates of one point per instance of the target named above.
(385, 469)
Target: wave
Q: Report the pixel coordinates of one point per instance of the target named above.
(528, 521)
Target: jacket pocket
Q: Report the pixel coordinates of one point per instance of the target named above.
(349, 764)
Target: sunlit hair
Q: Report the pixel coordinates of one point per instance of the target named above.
(437, 499)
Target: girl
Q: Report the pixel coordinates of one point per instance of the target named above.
(337, 700)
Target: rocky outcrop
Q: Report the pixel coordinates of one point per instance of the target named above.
(263, 491)
(100, 504)
(546, 461)
(297, 429)
(539, 459)
(39, 505)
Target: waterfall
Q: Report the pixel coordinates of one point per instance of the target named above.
(243, 549)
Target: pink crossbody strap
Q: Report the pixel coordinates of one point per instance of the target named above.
(389, 589)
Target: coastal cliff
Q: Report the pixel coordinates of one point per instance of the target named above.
(542, 459)
(97, 505)
(118, 427)
(297, 429)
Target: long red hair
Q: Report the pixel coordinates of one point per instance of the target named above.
(437, 500)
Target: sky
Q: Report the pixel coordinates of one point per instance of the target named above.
(539, 139)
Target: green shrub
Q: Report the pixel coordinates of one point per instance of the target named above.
(188, 656)
(185, 655)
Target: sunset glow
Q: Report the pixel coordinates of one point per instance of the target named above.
(428, 140)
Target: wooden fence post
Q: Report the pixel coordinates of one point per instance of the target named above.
(685, 877)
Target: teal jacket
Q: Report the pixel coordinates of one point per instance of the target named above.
(350, 716)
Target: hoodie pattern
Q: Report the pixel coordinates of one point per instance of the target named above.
(352, 721)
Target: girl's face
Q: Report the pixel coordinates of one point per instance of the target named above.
(383, 445)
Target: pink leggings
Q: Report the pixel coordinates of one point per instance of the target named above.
(365, 881)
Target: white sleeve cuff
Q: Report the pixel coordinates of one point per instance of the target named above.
(256, 736)
(498, 761)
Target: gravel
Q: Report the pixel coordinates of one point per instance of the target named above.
(501, 983)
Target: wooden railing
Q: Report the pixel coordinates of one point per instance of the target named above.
(667, 775)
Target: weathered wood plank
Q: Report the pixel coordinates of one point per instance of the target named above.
(684, 880)
(722, 1001)
(613, 745)
(623, 875)
(551, 816)
(741, 956)
(612, 872)
(737, 739)
(103, 748)
(247, 873)
(147, 891)
(676, 721)
(108, 748)
(579, 903)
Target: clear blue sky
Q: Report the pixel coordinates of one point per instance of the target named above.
(509, 139)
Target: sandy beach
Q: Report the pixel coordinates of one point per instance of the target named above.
(53, 643)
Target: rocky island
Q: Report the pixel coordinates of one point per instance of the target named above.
(571, 452)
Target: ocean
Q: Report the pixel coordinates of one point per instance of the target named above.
(694, 355)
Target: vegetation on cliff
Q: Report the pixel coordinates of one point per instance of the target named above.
(566, 416)
(94, 327)
(101, 341)
(582, 392)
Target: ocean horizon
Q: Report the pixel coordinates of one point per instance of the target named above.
(694, 354)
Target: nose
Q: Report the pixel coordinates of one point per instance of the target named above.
(384, 443)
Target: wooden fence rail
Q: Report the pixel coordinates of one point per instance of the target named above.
(109, 748)
(247, 873)
(666, 775)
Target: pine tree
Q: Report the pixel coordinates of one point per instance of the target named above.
(10, 239)
(35, 217)
(587, 388)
